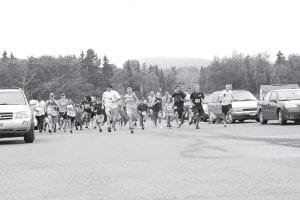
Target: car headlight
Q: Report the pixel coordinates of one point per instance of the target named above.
(22, 114)
(290, 105)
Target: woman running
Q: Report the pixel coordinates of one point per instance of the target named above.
(131, 100)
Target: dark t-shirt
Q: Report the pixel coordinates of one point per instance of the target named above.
(158, 105)
(196, 98)
(178, 99)
(98, 109)
(142, 107)
(87, 106)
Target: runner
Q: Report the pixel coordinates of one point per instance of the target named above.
(151, 100)
(52, 112)
(110, 99)
(62, 109)
(142, 111)
(93, 113)
(188, 114)
(40, 114)
(71, 113)
(87, 109)
(157, 110)
(100, 113)
(226, 101)
(178, 99)
(196, 98)
(78, 117)
(169, 112)
(131, 100)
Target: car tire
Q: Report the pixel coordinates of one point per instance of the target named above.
(262, 120)
(280, 118)
(29, 136)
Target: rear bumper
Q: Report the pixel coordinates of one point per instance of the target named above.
(244, 115)
(15, 127)
(291, 115)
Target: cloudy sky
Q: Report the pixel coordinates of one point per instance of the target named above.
(127, 29)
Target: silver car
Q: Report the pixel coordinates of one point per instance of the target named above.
(16, 115)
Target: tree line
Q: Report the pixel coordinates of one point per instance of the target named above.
(88, 74)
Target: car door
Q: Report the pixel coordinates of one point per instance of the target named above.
(272, 107)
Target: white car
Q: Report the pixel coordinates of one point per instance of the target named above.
(16, 115)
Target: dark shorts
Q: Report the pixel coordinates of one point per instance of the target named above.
(225, 109)
(63, 115)
(155, 114)
(93, 114)
(72, 119)
(179, 110)
(198, 110)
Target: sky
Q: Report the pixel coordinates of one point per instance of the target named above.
(132, 29)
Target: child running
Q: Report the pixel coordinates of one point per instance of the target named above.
(142, 111)
(130, 100)
(157, 110)
(169, 110)
(100, 113)
(71, 116)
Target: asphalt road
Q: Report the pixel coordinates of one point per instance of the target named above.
(243, 161)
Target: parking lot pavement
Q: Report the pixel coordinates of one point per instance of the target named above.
(242, 161)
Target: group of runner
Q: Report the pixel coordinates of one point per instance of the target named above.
(113, 109)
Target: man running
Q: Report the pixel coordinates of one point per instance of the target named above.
(178, 99)
(131, 100)
(62, 109)
(196, 98)
(226, 101)
(109, 100)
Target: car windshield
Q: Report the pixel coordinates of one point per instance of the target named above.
(289, 95)
(12, 98)
(243, 96)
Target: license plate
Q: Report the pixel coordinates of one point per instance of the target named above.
(252, 114)
(1, 125)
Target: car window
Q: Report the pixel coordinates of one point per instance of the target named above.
(273, 96)
(12, 98)
(289, 95)
(267, 96)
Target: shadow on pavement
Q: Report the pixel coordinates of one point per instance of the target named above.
(290, 142)
(11, 142)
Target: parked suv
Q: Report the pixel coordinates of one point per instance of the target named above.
(244, 107)
(16, 116)
(281, 105)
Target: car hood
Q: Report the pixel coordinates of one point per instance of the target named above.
(244, 104)
(297, 102)
(14, 108)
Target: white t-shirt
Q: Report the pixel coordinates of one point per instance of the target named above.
(226, 97)
(110, 98)
(188, 99)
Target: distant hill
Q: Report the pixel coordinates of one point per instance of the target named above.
(167, 62)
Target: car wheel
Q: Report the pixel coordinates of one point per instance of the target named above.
(262, 120)
(280, 118)
(229, 119)
(29, 136)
